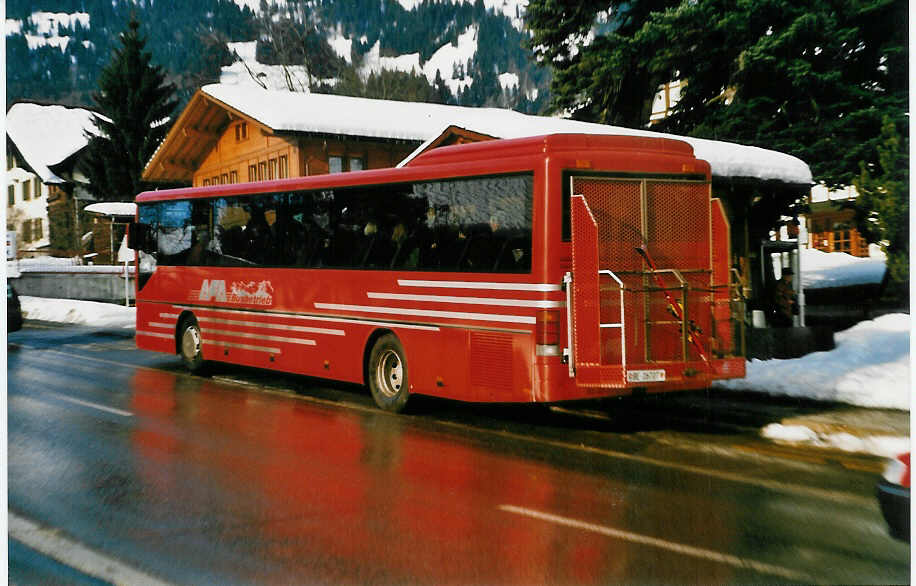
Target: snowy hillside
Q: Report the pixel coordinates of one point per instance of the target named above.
(469, 53)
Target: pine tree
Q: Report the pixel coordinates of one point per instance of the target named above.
(813, 79)
(134, 104)
(883, 207)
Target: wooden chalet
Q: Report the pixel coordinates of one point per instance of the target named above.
(832, 228)
(214, 142)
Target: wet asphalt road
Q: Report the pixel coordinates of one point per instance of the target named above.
(252, 477)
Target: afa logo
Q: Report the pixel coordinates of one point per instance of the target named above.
(240, 292)
(212, 291)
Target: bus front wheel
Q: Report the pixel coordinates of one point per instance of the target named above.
(388, 374)
(189, 345)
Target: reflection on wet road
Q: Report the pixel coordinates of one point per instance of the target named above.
(201, 480)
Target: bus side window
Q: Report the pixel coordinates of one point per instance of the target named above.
(199, 254)
(175, 232)
(228, 242)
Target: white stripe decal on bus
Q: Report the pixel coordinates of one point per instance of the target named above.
(156, 335)
(302, 341)
(255, 324)
(155, 324)
(518, 319)
(169, 315)
(480, 285)
(468, 300)
(242, 346)
(336, 320)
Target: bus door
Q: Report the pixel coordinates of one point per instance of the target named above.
(627, 320)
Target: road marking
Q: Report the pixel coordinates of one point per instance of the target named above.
(93, 405)
(680, 548)
(49, 542)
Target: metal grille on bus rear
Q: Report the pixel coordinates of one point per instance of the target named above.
(491, 364)
(616, 208)
(677, 224)
(677, 233)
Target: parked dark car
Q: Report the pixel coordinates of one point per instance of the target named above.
(894, 496)
(13, 310)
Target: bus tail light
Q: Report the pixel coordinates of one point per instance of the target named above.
(547, 332)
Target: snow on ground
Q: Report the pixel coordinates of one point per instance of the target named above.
(881, 445)
(514, 10)
(870, 367)
(508, 80)
(838, 269)
(448, 56)
(246, 50)
(271, 77)
(73, 311)
(342, 46)
(373, 62)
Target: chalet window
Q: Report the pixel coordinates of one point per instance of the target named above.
(224, 179)
(272, 169)
(37, 229)
(11, 194)
(26, 190)
(241, 131)
(356, 164)
(27, 231)
(233, 176)
(36, 187)
(284, 167)
(335, 164)
(10, 161)
(252, 173)
(206, 182)
(262, 170)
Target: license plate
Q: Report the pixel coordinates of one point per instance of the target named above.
(645, 376)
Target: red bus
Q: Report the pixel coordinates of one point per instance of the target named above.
(540, 269)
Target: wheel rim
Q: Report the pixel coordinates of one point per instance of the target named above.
(190, 342)
(389, 373)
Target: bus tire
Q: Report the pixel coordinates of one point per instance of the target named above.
(387, 374)
(189, 346)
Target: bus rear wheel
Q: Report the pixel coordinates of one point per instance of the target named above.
(189, 345)
(388, 374)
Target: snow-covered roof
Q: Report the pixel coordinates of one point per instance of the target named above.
(329, 114)
(118, 209)
(48, 135)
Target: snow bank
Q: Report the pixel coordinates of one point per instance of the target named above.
(881, 445)
(838, 269)
(870, 367)
(73, 311)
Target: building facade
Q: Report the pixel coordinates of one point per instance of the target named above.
(831, 222)
(45, 189)
(26, 208)
(217, 143)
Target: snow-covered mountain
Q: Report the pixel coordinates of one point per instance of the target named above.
(470, 52)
